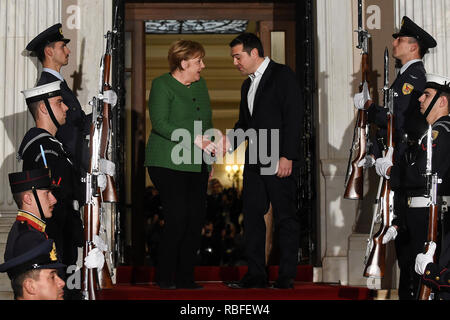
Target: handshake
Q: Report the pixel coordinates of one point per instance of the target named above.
(218, 147)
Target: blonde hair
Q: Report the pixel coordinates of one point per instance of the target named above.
(183, 50)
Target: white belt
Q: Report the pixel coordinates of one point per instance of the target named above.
(425, 202)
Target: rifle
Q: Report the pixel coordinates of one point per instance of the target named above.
(384, 213)
(432, 182)
(109, 194)
(94, 279)
(354, 181)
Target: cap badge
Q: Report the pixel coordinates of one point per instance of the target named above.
(53, 253)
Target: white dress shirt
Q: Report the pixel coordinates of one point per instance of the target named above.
(256, 78)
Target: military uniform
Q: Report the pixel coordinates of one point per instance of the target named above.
(41, 149)
(65, 226)
(30, 252)
(73, 133)
(409, 125)
(408, 176)
(27, 227)
(437, 275)
(408, 87)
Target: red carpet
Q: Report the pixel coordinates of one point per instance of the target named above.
(136, 283)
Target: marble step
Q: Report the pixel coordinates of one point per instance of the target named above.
(7, 221)
(2, 251)
(5, 283)
(5, 229)
(3, 238)
(6, 295)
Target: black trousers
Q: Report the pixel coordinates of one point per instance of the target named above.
(183, 198)
(408, 244)
(258, 192)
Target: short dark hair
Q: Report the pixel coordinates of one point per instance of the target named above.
(17, 282)
(423, 49)
(447, 97)
(249, 42)
(18, 198)
(33, 107)
(40, 53)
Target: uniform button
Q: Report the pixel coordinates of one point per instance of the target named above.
(428, 272)
(193, 99)
(437, 278)
(198, 109)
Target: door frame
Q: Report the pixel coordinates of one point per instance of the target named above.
(271, 16)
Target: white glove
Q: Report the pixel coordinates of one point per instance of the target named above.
(107, 167)
(361, 98)
(101, 181)
(390, 234)
(110, 97)
(99, 243)
(423, 259)
(205, 144)
(383, 164)
(94, 259)
(367, 162)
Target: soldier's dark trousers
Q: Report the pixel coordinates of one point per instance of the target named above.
(408, 244)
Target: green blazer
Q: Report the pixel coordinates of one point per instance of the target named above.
(178, 113)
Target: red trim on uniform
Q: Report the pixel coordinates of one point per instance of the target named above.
(29, 179)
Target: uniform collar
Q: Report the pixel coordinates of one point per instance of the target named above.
(54, 72)
(32, 220)
(406, 65)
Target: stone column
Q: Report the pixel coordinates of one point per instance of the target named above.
(336, 117)
(20, 21)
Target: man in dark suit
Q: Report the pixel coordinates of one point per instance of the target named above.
(410, 45)
(271, 115)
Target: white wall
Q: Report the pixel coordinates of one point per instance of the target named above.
(20, 21)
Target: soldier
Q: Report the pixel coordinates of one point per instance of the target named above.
(51, 49)
(33, 268)
(435, 101)
(410, 45)
(409, 175)
(32, 193)
(40, 148)
(27, 239)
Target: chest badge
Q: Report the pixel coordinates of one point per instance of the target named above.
(434, 134)
(407, 88)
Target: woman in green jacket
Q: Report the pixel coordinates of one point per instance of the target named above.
(175, 155)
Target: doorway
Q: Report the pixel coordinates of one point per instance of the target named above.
(275, 24)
